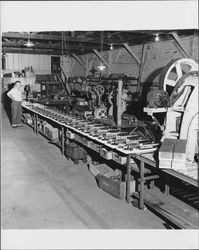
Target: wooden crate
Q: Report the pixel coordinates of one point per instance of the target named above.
(115, 188)
(75, 152)
(51, 132)
(102, 169)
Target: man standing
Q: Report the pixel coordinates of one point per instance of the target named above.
(15, 94)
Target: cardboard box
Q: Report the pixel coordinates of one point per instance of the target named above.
(165, 164)
(167, 149)
(180, 150)
(178, 164)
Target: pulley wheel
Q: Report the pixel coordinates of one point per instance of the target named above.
(174, 71)
(99, 89)
(100, 113)
(190, 77)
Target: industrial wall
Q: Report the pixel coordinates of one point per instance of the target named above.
(41, 64)
(16, 62)
(157, 55)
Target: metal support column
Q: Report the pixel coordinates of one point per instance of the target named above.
(62, 139)
(36, 124)
(141, 188)
(167, 188)
(128, 179)
(119, 103)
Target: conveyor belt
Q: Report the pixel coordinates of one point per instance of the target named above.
(70, 125)
(144, 154)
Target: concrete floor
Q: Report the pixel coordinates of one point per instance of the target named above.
(41, 189)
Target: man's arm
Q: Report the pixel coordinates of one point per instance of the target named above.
(9, 94)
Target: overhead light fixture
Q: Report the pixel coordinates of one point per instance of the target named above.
(101, 67)
(111, 47)
(29, 43)
(157, 38)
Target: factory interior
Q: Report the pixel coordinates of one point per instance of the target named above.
(109, 135)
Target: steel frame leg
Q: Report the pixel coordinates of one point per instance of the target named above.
(128, 179)
(36, 123)
(62, 140)
(152, 184)
(167, 188)
(141, 189)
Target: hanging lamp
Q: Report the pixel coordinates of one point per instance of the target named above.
(157, 38)
(29, 43)
(101, 67)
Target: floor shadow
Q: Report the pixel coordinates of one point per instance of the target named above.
(6, 104)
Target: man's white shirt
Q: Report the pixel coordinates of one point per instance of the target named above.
(15, 94)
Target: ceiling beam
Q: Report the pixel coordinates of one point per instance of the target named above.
(52, 46)
(101, 58)
(132, 53)
(180, 45)
(79, 61)
(33, 36)
(30, 52)
(39, 51)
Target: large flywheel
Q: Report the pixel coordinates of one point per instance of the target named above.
(174, 71)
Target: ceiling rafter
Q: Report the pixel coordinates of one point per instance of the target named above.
(84, 42)
(51, 46)
(47, 37)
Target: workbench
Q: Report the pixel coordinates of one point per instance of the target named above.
(144, 157)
